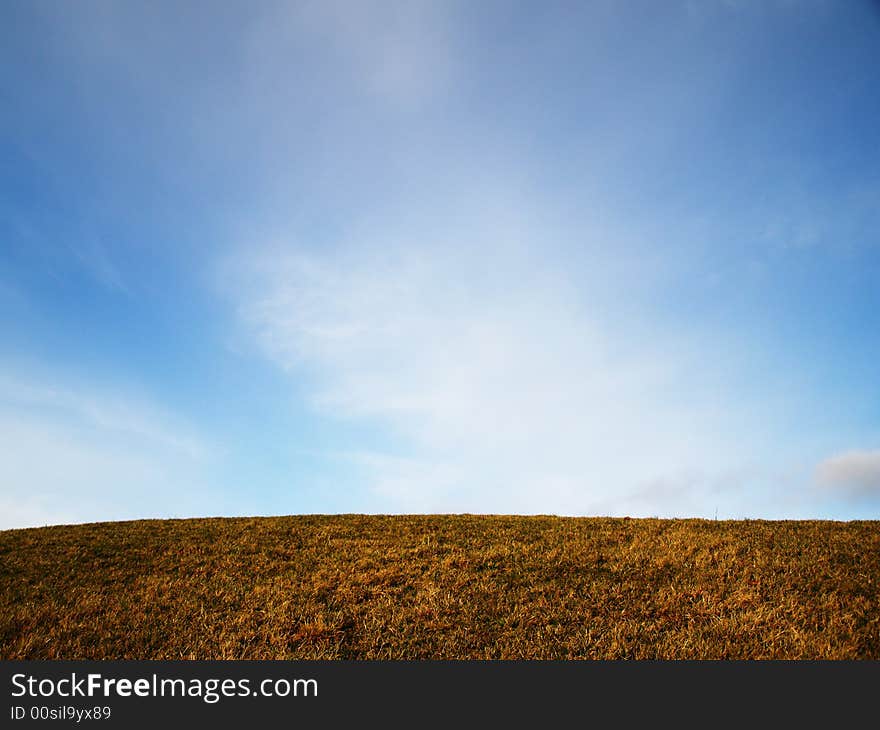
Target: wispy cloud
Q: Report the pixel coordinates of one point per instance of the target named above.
(100, 409)
(95, 259)
(856, 472)
(69, 453)
(503, 380)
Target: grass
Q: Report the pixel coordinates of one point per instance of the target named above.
(441, 587)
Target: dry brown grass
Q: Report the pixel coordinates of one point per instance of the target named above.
(403, 587)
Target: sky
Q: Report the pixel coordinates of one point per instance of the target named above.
(596, 258)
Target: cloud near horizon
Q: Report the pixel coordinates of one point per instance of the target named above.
(856, 471)
(71, 453)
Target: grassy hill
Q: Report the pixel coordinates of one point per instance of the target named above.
(465, 586)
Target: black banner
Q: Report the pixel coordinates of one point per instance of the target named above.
(106, 694)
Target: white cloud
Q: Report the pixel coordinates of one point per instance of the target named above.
(504, 381)
(855, 471)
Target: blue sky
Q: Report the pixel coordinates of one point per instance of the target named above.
(606, 258)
